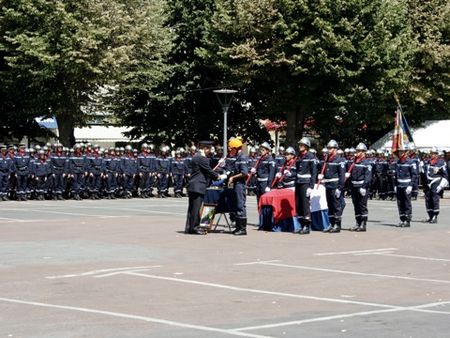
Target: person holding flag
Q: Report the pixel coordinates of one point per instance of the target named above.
(360, 176)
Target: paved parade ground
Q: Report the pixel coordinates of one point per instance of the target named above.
(124, 268)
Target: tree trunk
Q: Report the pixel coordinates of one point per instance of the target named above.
(295, 121)
(66, 127)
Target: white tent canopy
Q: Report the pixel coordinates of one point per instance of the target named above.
(430, 134)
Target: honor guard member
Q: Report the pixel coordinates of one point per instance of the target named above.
(413, 156)
(392, 163)
(6, 170)
(237, 179)
(22, 164)
(405, 176)
(41, 170)
(279, 158)
(201, 174)
(111, 171)
(144, 171)
(334, 179)
(78, 171)
(59, 162)
(381, 175)
(95, 170)
(360, 177)
(163, 170)
(178, 169)
(127, 170)
(435, 178)
(349, 160)
(264, 170)
(306, 168)
(252, 159)
(286, 174)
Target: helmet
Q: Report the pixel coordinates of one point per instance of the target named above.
(117, 149)
(332, 144)
(313, 151)
(76, 146)
(128, 148)
(135, 151)
(346, 150)
(96, 146)
(41, 152)
(325, 151)
(412, 146)
(38, 147)
(101, 151)
(151, 146)
(144, 146)
(266, 145)
(235, 143)
(48, 145)
(193, 148)
(45, 148)
(290, 151)
(305, 141)
(121, 149)
(340, 152)
(251, 150)
(352, 150)
(361, 147)
(281, 149)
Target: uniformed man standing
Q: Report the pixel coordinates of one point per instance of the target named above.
(78, 171)
(334, 179)
(264, 170)
(306, 168)
(6, 169)
(126, 168)
(41, 170)
(198, 182)
(286, 174)
(405, 177)
(163, 170)
(59, 164)
(237, 179)
(360, 178)
(178, 170)
(22, 163)
(435, 179)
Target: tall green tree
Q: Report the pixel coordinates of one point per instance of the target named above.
(66, 50)
(334, 62)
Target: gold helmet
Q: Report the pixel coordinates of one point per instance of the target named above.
(235, 143)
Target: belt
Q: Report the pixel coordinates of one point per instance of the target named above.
(358, 182)
(404, 181)
(304, 175)
(263, 179)
(330, 180)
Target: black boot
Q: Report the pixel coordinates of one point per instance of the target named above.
(330, 227)
(336, 228)
(241, 227)
(434, 220)
(362, 227)
(355, 228)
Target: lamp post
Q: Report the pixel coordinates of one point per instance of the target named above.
(225, 96)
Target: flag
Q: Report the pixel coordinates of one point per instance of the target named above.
(402, 135)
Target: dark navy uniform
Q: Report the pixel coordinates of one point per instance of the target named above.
(391, 178)
(95, 169)
(415, 187)
(77, 169)
(178, 170)
(128, 168)
(111, 168)
(360, 179)
(334, 180)
(41, 169)
(380, 177)
(252, 182)
(405, 176)
(435, 178)
(163, 165)
(287, 175)
(22, 164)
(6, 169)
(147, 168)
(59, 164)
(240, 166)
(265, 173)
(306, 172)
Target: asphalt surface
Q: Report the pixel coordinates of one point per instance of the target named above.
(124, 268)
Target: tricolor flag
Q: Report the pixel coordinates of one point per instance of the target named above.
(402, 135)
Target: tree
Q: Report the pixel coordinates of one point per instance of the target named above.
(337, 62)
(65, 51)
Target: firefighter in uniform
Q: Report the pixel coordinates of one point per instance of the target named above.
(78, 171)
(435, 179)
(405, 177)
(163, 170)
(360, 178)
(286, 174)
(178, 170)
(264, 170)
(306, 168)
(334, 180)
(95, 172)
(6, 169)
(237, 179)
(22, 164)
(41, 170)
(59, 163)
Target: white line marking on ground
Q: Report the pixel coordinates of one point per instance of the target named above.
(64, 213)
(135, 317)
(318, 319)
(13, 219)
(420, 308)
(301, 267)
(146, 210)
(37, 221)
(353, 252)
(413, 257)
(121, 272)
(257, 262)
(101, 271)
(274, 293)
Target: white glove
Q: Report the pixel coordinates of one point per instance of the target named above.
(320, 176)
(267, 189)
(347, 175)
(337, 193)
(253, 170)
(409, 190)
(362, 191)
(438, 189)
(221, 162)
(308, 192)
(222, 177)
(395, 189)
(278, 175)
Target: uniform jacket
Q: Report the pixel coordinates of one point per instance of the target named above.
(201, 174)
(306, 167)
